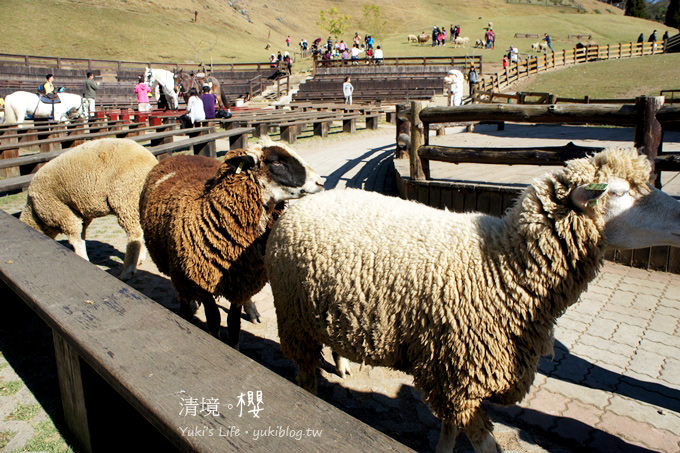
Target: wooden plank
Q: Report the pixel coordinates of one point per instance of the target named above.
(658, 258)
(546, 155)
(156, 361)
(423, 193)
(447, 198)
(458, 200)
(435, 196)
(674, 260)
(640, 258)
(321, 128)
(349, 125)
(71, 388)
(470, 200)
(483, 201)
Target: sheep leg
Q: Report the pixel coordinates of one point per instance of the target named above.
(234, 325)
(302, 349)
(132, 252)
(212, 314)
(251, 311)
(447, 437)
(341, 365)
(78, 245)
(478, 430)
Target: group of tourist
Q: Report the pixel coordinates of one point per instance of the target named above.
(281, 62)
(350, 53)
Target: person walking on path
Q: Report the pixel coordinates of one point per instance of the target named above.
(209, 100)
(90, 94)
(347, 90)
(142, 90)
(641, 38)
(473, 79)
(288, 41)
(652, 37)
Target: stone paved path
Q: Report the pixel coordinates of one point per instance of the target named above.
(613, 384)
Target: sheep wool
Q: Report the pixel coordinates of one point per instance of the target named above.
(95, 179)
(464, 302)
(205, 224)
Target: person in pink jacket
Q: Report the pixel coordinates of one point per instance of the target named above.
(142, 90)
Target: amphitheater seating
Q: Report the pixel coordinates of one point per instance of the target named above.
(389, 84)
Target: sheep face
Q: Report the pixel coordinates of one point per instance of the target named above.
(637, 218)
(283, 174)
(635, 214)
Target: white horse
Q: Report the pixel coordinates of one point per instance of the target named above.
(22, 103)
(160, 79)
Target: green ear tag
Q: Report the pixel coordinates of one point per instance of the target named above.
(240, 167)
(595, 192)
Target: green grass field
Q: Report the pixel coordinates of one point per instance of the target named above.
(624, 78)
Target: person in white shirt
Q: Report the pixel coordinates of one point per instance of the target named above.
(347, 90)
(378, 56)
(355, 53)
(195, 107)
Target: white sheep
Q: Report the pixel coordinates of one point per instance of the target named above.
(461, 41)
(535, 46)
(95, 179)
(206, 222)
(412, 38)
(466, 303)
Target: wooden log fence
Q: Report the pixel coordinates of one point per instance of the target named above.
(647, 115)
(500, 80)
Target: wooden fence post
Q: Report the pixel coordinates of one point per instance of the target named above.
(417, 166)
(648, 132)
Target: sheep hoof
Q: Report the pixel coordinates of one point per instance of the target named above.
(342, 366)
(251, 312)
(126, 275)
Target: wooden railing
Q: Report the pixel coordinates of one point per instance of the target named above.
(534, 65)
(648, 115)
(128, 365)
(465, 61)
(529, 97)
(117, 65)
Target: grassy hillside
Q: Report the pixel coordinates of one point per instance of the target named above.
(163, 30)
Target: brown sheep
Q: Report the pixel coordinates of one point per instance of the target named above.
(206, 223)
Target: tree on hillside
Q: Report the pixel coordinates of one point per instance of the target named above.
(673, 14)
(636, 8)
(373, 22)
(333, 22)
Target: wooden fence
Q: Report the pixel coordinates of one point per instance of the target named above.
(529, 97)
(130, 370)
(463, 61)
(534, 65)
(648, 115)
(118, 65)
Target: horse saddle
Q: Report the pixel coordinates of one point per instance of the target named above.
(50, 98)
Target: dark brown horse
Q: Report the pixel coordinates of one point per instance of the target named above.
(186, 81)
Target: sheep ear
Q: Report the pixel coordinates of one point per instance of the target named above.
(587, 195)
(241, 163)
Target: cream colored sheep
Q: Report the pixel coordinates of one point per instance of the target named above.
(466, 303)
(412, 38)
(95, 179)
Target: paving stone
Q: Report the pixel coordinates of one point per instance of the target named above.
(24, 432)
(573, 429)
(571, 391)
(646, 362)
(619, 349)
(594, 354)
(548, 402)
(645, 413)
(602, 327)
(663, 324)
(566, 335)
(622, 298)
(671, 371)
(639, 433)
(605, 378)
(584, 413)
(614, 313)
(659, 348)
(628, 334)
(655, 394)
(660, 337)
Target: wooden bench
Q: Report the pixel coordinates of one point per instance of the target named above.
(130, 370)
(201, 141)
